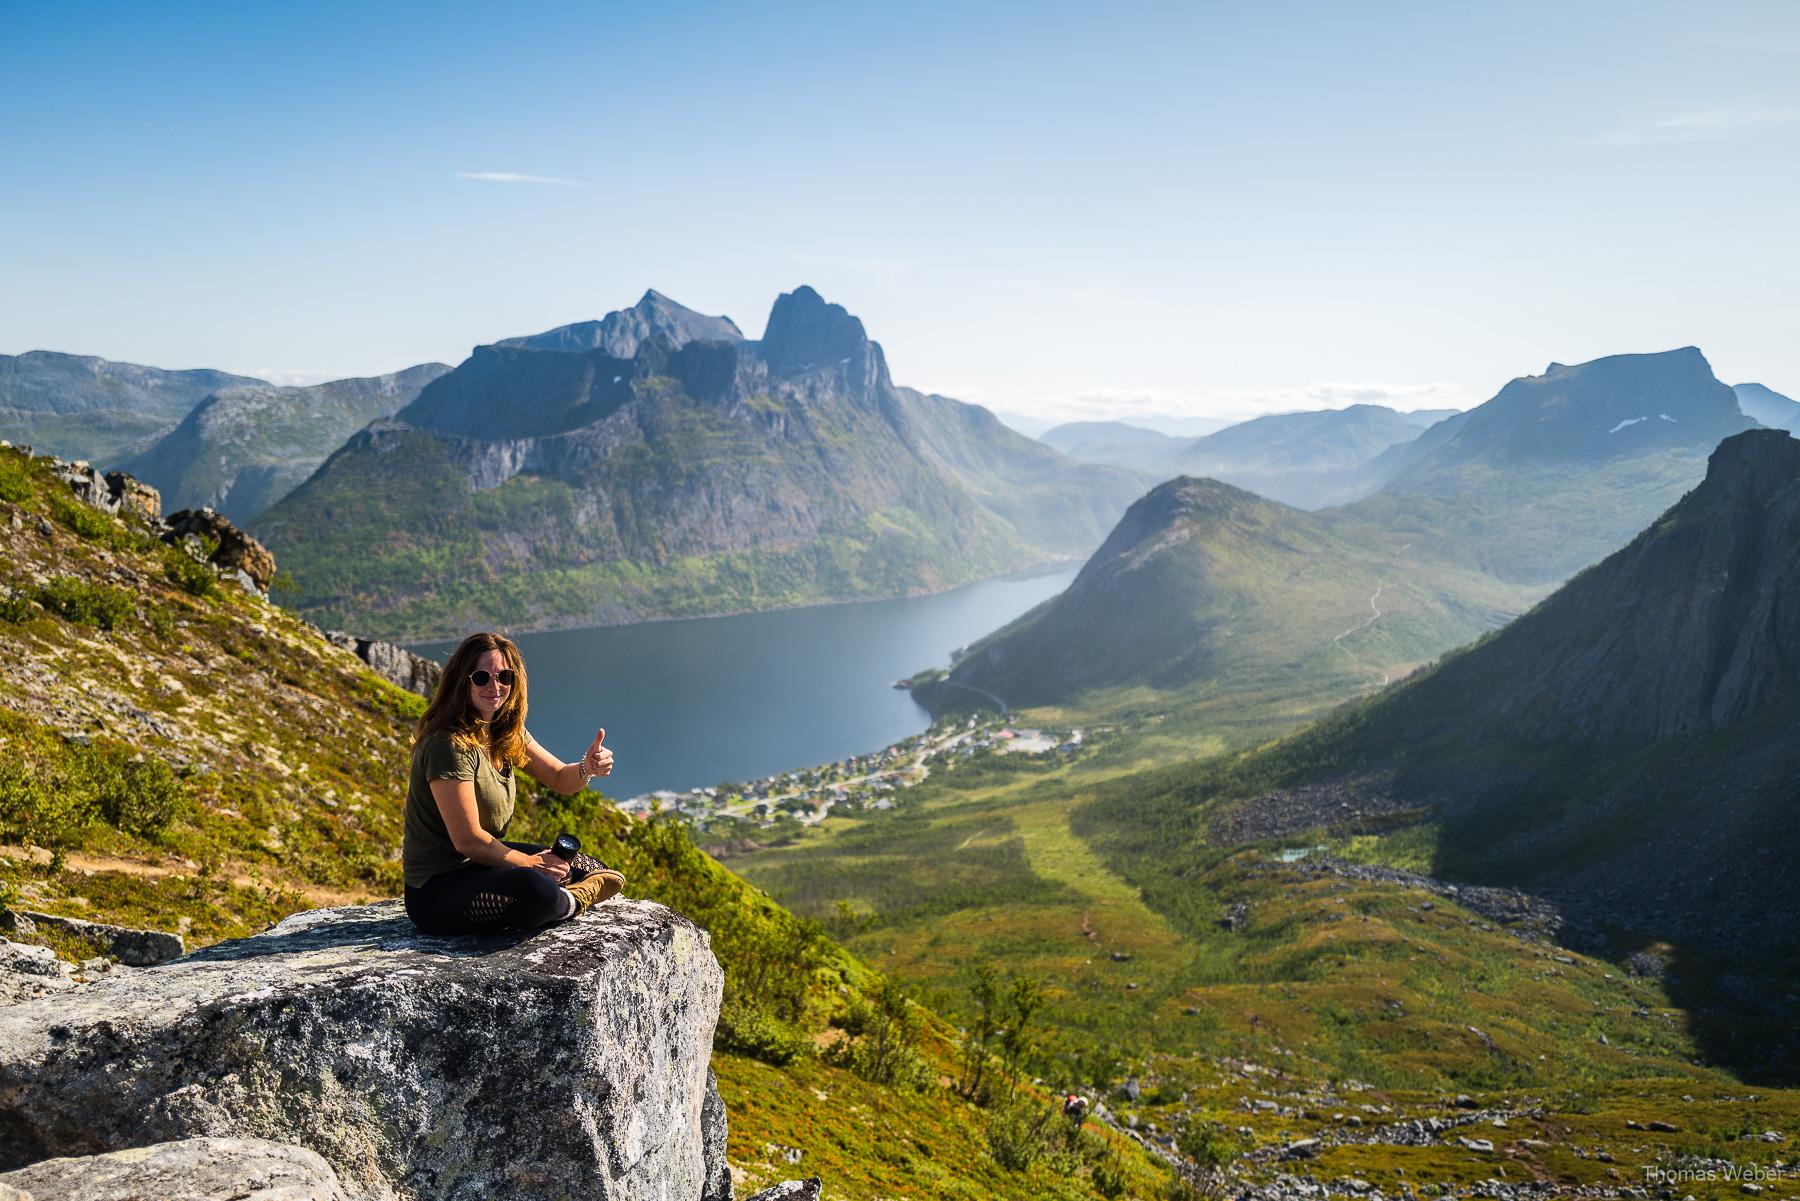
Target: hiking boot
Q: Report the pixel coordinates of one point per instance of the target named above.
(583, 865)
(595, 887)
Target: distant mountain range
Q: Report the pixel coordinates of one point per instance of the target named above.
(1206, 591)
(81, 407)
(549, 481)
(1626, 748)
(1308, 459)
(241, 449)
(1768, 406)
(1113, 442)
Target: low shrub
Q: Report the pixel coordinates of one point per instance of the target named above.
(193, 576)
(15, 480)
(1015, 1135)
(16, 607)
(746, 1031)
(1109, 1177)
(41, 809)
(88, 522)
(98, 605)
(137, 796)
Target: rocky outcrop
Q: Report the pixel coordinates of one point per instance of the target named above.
(805, 332)
(234, 550)
(418, 1067)
(791, 1190)
(195, 1169)
(395, 664)
(28, 972)
(112, 492)
(135, 948)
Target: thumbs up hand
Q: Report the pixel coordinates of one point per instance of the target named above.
(599, 760)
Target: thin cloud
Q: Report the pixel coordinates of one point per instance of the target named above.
(1704, 125)
(515, 177)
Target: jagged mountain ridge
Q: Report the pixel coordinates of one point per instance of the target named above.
(619, 334)
(695, 477)
(242, 449)
(83, 407)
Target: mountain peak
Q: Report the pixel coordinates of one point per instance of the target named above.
(805, 331)
(1757, 461)
(1623, 404)
(620, 333)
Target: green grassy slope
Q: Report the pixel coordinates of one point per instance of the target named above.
(179, 755)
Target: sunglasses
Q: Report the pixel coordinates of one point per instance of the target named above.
(506, 675)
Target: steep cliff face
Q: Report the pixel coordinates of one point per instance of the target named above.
(417, 1067)
(241, 449)
(549, 487)
(1695, 625)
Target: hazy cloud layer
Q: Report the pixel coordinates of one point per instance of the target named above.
(1222, 404)
(514, 177)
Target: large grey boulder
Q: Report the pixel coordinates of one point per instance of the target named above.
(28, 972)
(195, 1169)
(569, 1062)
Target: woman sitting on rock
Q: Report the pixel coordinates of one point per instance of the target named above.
(460, 877)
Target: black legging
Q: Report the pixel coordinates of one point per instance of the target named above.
(474, 899)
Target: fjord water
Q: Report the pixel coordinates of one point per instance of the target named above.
(689, 704)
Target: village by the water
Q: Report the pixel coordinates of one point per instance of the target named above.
(872, 781)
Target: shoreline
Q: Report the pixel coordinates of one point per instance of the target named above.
(413, 644)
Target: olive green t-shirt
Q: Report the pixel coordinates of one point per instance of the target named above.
(426, 849)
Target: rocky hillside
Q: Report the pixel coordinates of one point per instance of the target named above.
(81, 407)
(545, 487)
(1625, 748)
(182, 756)
(243, 448)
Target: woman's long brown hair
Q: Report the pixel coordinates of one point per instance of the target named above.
(452, 711)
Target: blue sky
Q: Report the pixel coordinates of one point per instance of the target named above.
(1072, 210)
